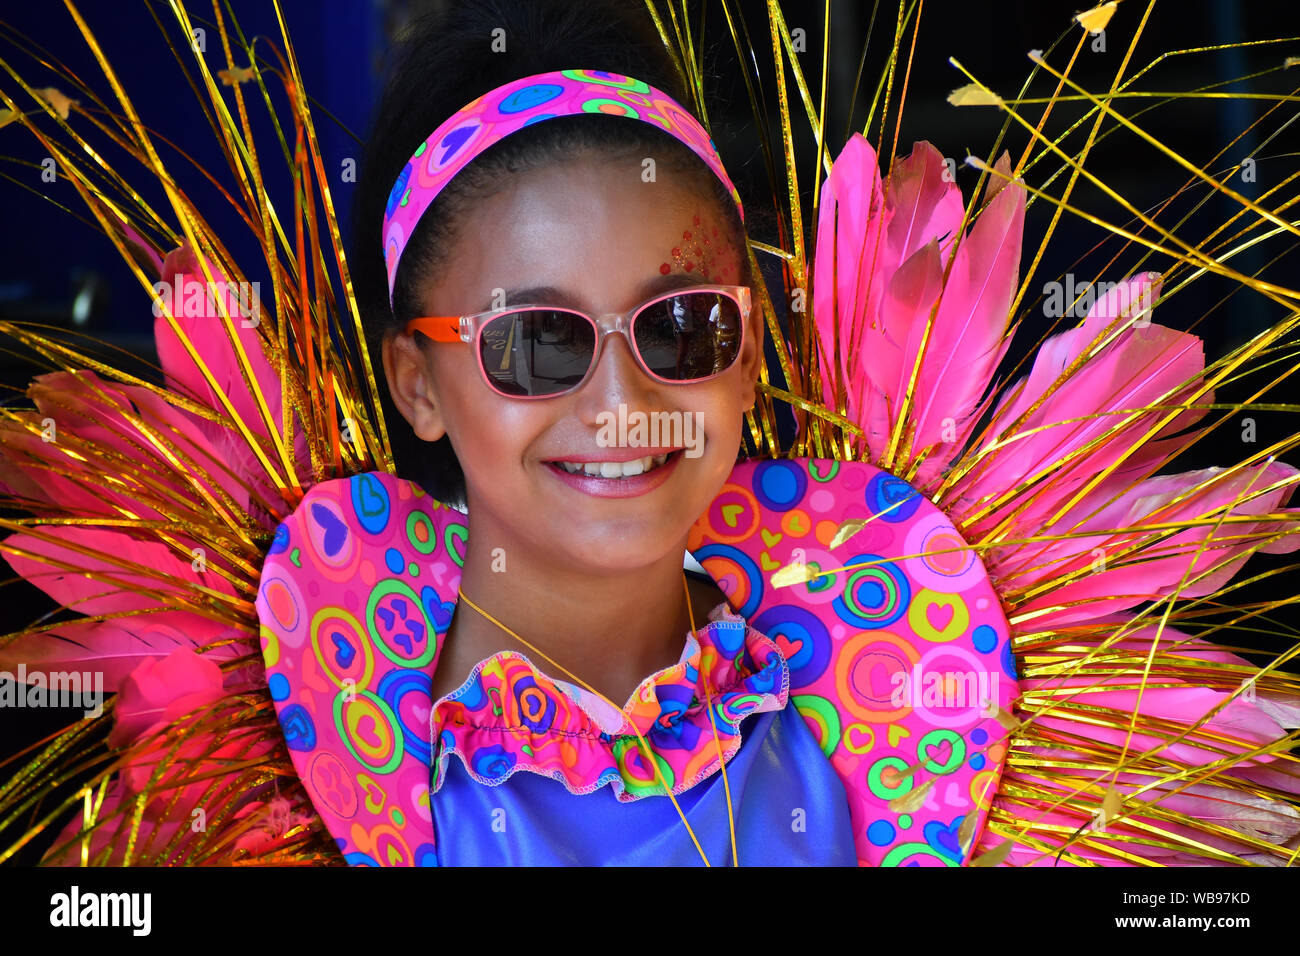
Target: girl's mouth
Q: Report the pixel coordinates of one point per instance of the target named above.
(617, 479)
(614, 469)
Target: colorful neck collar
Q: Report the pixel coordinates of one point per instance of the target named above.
(510, 716)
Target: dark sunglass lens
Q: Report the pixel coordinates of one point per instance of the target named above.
(689, 336)
(537, 352)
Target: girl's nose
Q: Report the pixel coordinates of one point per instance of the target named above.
(618, 379)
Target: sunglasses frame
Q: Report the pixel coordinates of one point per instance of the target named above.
(468, 329)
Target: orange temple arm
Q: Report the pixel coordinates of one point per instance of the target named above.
(440, 328)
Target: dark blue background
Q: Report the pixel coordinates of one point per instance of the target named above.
(47, 254)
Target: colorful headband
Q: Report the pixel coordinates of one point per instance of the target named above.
(510, 108)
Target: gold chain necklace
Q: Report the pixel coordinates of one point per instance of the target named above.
(646, 752)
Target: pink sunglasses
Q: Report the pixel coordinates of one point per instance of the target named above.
(540, 351)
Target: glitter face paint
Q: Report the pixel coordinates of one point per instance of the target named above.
(697, 253)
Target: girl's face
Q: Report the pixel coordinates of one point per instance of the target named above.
(595, 237)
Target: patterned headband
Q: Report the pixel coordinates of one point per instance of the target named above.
(510, 108)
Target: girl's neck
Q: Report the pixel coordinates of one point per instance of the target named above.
(611, 630)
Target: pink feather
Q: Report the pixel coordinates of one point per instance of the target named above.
(849, 246)
(968, 337)
(115, 587)
(1141, 366)
(1243, 723)
(1124, 580)
(117, 646)
(878, 271)
(926, 205)
(201, 321)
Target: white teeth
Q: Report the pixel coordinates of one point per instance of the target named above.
(614, 469)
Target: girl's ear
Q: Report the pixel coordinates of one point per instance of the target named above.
(412, 387)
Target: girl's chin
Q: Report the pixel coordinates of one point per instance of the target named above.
(606, 547)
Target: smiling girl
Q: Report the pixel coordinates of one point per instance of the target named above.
(548, 266)
(588, 540)
(563, 247)
(564, 213)
(587, 235)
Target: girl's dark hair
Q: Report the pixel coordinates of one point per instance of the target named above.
(447, 59)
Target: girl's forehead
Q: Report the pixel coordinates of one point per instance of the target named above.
(590, 241)
(586, 195)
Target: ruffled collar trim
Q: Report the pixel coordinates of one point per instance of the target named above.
(509, 716)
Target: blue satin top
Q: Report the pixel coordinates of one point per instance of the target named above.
(790, 809)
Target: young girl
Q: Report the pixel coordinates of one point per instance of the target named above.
(574, 546)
